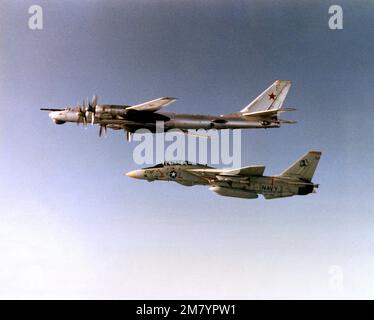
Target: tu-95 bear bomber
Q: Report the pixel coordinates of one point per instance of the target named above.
(263, 112)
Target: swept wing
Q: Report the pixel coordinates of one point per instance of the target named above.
(153, 105)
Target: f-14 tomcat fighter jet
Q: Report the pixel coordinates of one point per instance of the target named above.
(262, 112)
(246, 182)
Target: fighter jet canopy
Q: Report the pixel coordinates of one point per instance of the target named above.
(176, 163)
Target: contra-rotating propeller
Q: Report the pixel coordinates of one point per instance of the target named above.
(82, 118)
(90, 108)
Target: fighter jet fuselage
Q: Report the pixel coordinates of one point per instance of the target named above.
(245, 182)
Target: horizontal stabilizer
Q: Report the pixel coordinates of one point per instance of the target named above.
(286, 121)
(267, 113)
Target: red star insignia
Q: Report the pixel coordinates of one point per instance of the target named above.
(272, 96)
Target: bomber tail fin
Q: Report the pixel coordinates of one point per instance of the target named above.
(271, 99)
(303, 168)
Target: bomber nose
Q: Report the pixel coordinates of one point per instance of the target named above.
(57, 117)
(136, 174)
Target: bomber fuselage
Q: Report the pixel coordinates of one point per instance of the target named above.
(116, 117)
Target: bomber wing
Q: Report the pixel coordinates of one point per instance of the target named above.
(153, 105)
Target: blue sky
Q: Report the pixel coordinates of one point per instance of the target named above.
(73, 226)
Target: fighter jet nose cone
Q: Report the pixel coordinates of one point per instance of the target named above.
(136, 174)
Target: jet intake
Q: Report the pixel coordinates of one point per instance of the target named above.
(237, 193)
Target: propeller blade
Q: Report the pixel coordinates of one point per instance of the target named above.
(128, 136)
(102, 128)
(90, 108)
(94, 101)
(79, 117)
(82, 116)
